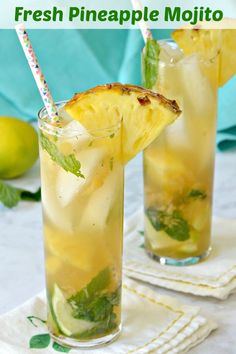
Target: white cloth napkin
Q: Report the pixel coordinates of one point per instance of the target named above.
(214, 277)
(151, 324)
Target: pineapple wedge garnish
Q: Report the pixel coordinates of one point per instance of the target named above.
(209, 43)
(143, 114)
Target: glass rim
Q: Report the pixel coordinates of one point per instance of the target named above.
(61, 131)
(201, 60)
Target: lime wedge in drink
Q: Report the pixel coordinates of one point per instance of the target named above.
(67, 324)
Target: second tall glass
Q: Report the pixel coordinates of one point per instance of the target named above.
(179, 166)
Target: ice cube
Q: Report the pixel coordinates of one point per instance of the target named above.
(199, 108)
(66, 117)
(170, 52)
(68, 185)
(75, 137)
(52, 210)
(195, 86)
(75, 127)
(100, 203)
(189, 248)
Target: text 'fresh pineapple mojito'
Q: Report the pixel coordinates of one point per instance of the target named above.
(121, 17)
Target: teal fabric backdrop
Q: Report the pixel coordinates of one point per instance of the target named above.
(74, 60)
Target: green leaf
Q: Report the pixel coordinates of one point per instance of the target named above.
(197, 194)
(150, 63)
(103, 328)
(99, 309)
(40, 341)
(156, 218)
(95, 304)
(97, 284)
(60, 348)
(115, 297)
(177, 227)
(31, 196)
(141, 232)
(96, 311)
(32, 318)
(10, 196)
(172, 223)
(68, 162)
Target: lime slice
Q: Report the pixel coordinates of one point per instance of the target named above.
(67, 324)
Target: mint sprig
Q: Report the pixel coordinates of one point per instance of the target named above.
(150, 63)
(197, 194)
(10, 196)
(94, 288)
(68, 162)
(94, 303)
(172, 223)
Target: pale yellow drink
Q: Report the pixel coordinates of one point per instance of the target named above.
(82, 161)
(83, 228)
(178, 167)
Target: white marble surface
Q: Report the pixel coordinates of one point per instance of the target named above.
(21, 250)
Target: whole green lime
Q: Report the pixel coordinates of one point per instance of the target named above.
(18, 147)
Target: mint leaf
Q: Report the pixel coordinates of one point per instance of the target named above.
(177, 227)
(172, 223)
(95, 311)
(103, 328)
(10, 196)
(115, 297)
(150, 63)
(141, 233)
(60, 348)
(31, 196)
(155, 216)
(40, 341)
(99, 309)
(97, 284)
(68, 162)
(197, 194)
(93, 303)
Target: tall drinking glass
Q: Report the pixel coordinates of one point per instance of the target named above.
(83, 231)
(179, 166)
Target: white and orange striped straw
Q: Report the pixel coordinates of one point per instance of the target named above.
(37, 73)
(146, 32)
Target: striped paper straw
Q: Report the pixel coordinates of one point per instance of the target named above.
(37, 73)
(146, 33)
